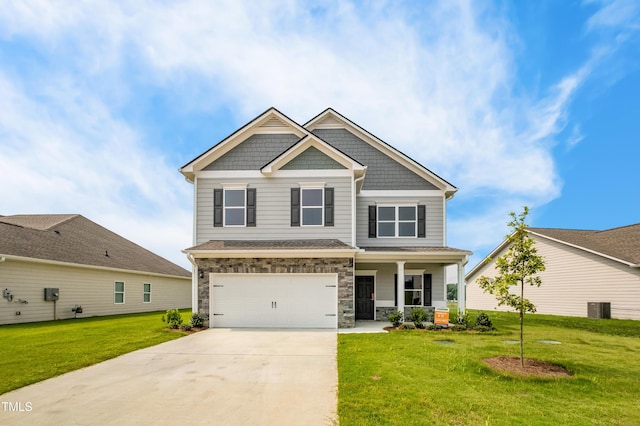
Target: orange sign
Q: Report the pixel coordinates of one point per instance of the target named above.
(441, 317)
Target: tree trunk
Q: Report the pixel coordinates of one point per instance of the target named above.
(522, 324)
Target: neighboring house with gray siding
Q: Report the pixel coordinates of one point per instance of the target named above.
(315, 225)
(582, 267)
(84, 265)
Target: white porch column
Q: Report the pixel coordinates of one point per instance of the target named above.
(400, 286)
(462, 295)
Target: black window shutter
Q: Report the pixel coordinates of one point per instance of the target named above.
(328, 207)
(422, 221)
(395, 289)
(251, 207)
(217, 207)
(372, 222)
(426, 286)
(295, 206)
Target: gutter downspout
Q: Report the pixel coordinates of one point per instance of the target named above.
(194, 283)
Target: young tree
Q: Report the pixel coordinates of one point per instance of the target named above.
(518, 266)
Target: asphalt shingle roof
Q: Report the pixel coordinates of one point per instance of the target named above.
(75, 239)
(326, 244)
(622, 243)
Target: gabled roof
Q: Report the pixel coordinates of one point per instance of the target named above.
(331, 119)
(274, 122)
(619, 244)
(622, 244)
(303, 144)
(75, 239)
(270, 121)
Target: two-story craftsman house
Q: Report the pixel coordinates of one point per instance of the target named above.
(315, 225)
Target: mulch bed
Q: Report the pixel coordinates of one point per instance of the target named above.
(532, 367)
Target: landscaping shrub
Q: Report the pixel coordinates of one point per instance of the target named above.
(407, 326)
(173, 318)
(463, 320)
(197, 320)
(418, 316)
(185, 327)
(396, 318)
(458, 327)
(483, 320)
(482, 328)
(433, 327)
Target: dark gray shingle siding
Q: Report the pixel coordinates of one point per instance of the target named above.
(312, 159)
(255, 152)
(383, 173)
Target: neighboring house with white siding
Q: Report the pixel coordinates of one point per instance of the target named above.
(315, 225)
(582, 267)
(81, 264)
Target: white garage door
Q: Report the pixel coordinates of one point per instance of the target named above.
(274, 300)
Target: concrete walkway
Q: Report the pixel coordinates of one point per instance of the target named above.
(214, 377)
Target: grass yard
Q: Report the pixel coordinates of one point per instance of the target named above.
(407, 378)
(33, 352)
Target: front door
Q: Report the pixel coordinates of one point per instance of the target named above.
(364, 297)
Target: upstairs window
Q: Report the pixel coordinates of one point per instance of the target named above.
(397, 221)
(312, 206)
(389, 221)
(234, 207)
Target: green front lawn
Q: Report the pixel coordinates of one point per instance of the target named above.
(33, 352)
(407, 378)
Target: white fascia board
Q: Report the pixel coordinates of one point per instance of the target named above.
(583, 249)
(312, 141)
(416, 257)
(219, 254)
(83, 266)
(402, 193)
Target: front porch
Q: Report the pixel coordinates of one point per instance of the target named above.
(388, 280)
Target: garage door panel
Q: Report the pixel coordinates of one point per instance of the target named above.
(274, 300)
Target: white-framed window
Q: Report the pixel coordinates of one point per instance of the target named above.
(146, 293)
(235, 207)
(312, 206)
(413, 290)
(397, 221)
(118, 293)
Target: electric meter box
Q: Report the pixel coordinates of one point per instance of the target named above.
(51, 294)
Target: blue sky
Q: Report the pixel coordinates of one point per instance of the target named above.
(516, 103)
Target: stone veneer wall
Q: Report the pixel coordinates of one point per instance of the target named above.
(341, 266)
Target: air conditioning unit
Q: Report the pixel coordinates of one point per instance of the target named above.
(601, 310)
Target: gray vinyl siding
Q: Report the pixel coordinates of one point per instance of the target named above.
(312, 159)
(572, 278)
(434, 207)
(255, 152)
(91, 288)
(386, 275)
(273, 214)
(383, 173)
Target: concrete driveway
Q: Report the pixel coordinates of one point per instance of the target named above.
(214, 377)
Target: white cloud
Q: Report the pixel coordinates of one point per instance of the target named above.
(65, 154)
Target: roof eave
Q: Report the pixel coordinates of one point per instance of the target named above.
(285, 253)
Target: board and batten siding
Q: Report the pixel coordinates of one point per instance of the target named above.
(273, 210)
(93, 289)
(572, 279)
(434, 208)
